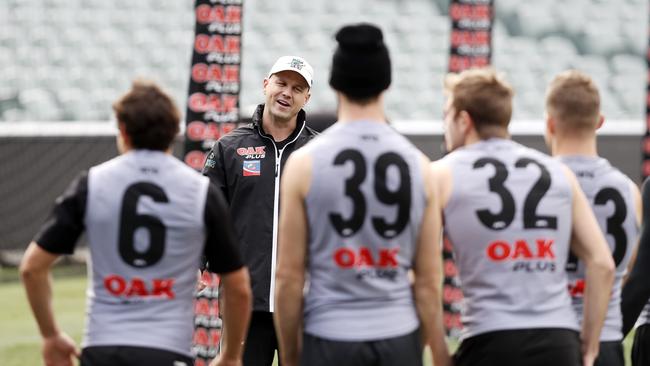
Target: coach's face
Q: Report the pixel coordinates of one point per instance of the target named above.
(285, 92)
(453, 130)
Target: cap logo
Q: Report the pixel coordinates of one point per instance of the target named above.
(296, 64)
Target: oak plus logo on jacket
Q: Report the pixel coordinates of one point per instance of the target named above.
(253, 152)
(251, 168)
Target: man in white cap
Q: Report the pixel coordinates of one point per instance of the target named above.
(246, 165)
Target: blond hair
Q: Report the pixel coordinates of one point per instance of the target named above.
(572, 99)
(484, 95)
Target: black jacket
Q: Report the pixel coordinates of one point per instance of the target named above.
(245, 164)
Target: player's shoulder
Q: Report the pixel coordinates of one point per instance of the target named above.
(183, 168)
(602, 170)
(317, 141)
(459, 156)
(527, 155)
(616, 172)
(620, 179)
(538, 155)
(108, 165)
(626, 183)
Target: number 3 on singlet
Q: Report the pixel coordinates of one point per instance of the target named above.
(614, 225)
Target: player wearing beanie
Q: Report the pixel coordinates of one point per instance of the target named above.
(358, 213)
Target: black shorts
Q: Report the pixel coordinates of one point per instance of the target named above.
(131, 356)
(610, 354)
(530, 347)
(641, 347)
(398, 351)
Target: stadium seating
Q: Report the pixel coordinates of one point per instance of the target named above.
(68, 59)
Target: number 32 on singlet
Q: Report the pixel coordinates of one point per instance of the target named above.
(501, 220)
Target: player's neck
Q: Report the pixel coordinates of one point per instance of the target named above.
(487, 133)
(278, 128)
(349, 112)
(573, 146)
(128, 148)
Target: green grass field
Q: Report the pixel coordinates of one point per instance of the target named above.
(19, 338)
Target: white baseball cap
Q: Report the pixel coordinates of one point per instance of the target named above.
(294, 63)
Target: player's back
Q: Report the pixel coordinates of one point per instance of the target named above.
(508, 219)
(146, 233)
(364, 206)
(610, 195)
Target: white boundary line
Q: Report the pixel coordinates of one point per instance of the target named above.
(412, 127)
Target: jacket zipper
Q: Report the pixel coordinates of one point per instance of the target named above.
(276, 206)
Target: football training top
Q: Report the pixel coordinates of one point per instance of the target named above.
(610, 194)
(149, 218)
(509, 221)
(365, 206)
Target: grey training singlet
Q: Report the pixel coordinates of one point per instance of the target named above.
(509, 221)
(142, 276)
(365, 208)
(610, 195)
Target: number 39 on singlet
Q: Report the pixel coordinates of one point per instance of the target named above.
(400, 196)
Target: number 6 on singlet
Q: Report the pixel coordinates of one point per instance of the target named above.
(131, 221)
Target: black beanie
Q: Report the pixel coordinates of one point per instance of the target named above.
(361, 64)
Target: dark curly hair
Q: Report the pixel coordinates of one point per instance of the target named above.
(149, 114)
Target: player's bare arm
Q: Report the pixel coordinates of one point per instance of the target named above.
(236, 315)
(638, 205)
(442, 182)
(590, 246)
(427, 269)
(292, 252)
(58, 348)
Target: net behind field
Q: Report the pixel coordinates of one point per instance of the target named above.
(34, 171)
(36, 165)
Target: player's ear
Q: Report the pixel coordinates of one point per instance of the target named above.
(550, 125)
(466, 122)
(601, 120)
(549, 132)
(123, 139)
